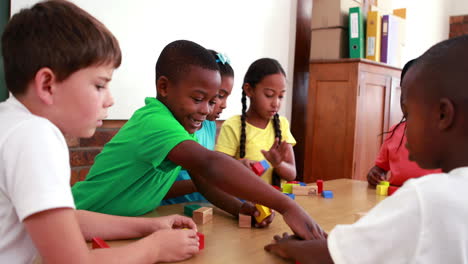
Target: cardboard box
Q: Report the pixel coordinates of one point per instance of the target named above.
(329, 43)
(333, 13)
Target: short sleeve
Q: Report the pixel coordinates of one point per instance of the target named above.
(382, 158)
(389, 233)
(229, 138)
(286, 132)
(37, 168)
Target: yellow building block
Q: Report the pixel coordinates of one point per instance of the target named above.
(287, 187)
(382, 190)
(264, 212)
(386, 183)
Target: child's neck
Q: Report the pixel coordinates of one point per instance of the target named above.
(256, 120)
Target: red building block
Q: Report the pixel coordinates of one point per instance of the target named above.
(99, 243)
(392, 189)
(260, 167)
(201, 238)
(320, 186)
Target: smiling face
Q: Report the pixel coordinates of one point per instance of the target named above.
(192, 98)
(81, 101)
(224, 92)
(266, 97)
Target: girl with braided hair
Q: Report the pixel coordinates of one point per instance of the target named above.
(260, 133)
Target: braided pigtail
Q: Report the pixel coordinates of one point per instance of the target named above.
(243, 137)
(276, 180)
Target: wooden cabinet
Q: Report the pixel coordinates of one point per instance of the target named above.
(350, 103)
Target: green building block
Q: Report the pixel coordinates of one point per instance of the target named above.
(188, 209)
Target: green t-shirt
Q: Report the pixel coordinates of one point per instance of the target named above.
(132, 175)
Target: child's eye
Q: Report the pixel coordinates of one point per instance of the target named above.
(197, 100)
(213, 102)
(99, 87)
(221, 96)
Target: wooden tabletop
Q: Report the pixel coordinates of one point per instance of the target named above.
(225, 242)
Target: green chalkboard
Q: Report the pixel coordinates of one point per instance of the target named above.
(4, 15)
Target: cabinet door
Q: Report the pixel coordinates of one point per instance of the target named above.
(330, 122)
(371, 120)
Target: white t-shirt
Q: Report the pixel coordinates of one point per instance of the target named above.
(425, 221)
(34, 176)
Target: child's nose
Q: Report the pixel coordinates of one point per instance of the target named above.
(109, 100)
(205, 109)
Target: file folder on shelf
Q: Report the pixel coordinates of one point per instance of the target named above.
(373, 39)
(356, 33)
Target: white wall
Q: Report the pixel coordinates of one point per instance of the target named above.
(458, 7)
(243, 29)
(426, 24)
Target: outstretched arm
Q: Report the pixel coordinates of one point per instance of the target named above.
(234, 178)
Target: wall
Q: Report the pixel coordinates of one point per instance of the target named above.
(4, 10)
(243, 29)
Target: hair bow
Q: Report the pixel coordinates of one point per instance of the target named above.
(223, 58)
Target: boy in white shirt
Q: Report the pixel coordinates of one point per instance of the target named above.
(425, 221)
(58, 61)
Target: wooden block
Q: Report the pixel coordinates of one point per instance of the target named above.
(203, 215)
(359, 215)
(382, 190)
(264, 212)
(245, 221)
(320, 186)
(386, 183)
(189, 208)
(304, 190)
(287, 187)
(201, 240)
(98, 243)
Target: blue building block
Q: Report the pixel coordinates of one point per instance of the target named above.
(302, 184)
(291, 195)
(327, 194)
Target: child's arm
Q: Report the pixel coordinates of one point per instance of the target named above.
(234, 178)
(111, 227)
(180, 188)
(57, 236)
(302, 251)
(281, 157)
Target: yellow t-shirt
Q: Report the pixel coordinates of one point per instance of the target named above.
(257, 139)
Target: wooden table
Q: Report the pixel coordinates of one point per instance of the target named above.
(225, 242)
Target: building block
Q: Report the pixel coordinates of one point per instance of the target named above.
(201, 240)
(392, 189)
(245, 221)
(302, 184)
(359, 215)
(327, 194)
(304, 190)
(386, 183)
(287, 187)
(291, 195)
(382, 190)
(260, 167)
(189, 208)
(203, 215)
(98, 243)
(320, 186)
(264, 212)
(277, 187)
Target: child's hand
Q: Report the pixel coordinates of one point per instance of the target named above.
(376, 175)
(281, 245)
(302, 224)
(175, 245)
(277, 153)
(248, 163)
(249, 208)
(174, 222)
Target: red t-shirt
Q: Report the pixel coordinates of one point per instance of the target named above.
(393, 157)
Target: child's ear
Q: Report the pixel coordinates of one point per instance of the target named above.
(446, 113)
(247, 89)
(44, 85)
(162, 85)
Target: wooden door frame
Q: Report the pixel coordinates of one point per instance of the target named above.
(301, 81)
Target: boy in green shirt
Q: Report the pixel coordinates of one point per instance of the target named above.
(138, 166)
